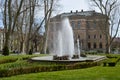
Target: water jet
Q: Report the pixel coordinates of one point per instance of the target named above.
(63, 40)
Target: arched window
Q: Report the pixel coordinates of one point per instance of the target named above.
(78, 36)
(89, 45)
(94, 36)
(94, 45)
(100, 45)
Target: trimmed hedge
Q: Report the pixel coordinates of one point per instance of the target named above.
(112, 56)
(33, 69)
(111, 61)
(8, 60)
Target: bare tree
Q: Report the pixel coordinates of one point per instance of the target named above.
(19, 20)
(109, 8)
(31, 14)
(9, 21)
(49, 5)
(46, 8)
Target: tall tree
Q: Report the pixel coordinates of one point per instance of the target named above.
(46, 8)
(110, 8)
(49, 5)
(20, 25)
(31, 14)
(9, 21)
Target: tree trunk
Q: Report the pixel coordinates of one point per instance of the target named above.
(47, 8)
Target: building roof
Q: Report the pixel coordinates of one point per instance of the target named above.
(77, 14)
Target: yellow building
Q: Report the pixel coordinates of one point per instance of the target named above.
(88, 27)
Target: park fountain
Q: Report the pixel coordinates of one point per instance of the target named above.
(63, 46)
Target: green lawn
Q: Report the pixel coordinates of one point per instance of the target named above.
(20, 62)
(93, 73)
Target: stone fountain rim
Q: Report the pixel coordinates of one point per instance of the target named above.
(89, 58)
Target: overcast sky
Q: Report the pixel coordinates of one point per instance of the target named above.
(68, 5)
(74, 5)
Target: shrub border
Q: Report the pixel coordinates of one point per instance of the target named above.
(35, 69)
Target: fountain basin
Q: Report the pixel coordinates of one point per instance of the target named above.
(89, 58)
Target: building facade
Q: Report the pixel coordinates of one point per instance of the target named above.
(116, 44)
(88, 27)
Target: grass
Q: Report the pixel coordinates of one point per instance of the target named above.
(19, 56)
(93, 73)
(21, 61)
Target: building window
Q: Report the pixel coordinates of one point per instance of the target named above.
(73, 24)
(78, 36)
(100, 36)
(89, 45)
(94, 24)
(94, 45)
(87, 24)
(88, 36)
(94, 36)
(78, 25)
(100, 45)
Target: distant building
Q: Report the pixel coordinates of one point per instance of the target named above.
(116, 44)
(88, 27)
